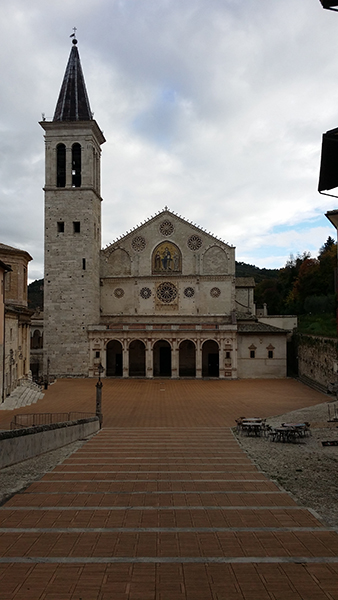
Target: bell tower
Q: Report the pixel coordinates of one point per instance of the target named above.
(72, 226)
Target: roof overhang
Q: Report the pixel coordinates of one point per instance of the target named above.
(332, 215)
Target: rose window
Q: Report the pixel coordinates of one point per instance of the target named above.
(194, 242)
(189, 292)
(145, 293)
(166, 292)
(215, 292)
(166, 227)
(138, 244)
(119, 292)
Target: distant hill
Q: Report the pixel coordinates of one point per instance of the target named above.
(35, 294)
(245, 270)
(35, 289)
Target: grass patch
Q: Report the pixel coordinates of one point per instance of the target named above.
(324, 324)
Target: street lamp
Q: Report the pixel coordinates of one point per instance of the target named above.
(99, 395)
(329, 5)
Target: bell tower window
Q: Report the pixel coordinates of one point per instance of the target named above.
(76, 165)
(60, 165)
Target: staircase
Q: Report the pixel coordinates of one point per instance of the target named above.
(26, 393)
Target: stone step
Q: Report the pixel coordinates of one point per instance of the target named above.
(24, 395)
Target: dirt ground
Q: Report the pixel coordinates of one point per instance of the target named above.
(306, 469)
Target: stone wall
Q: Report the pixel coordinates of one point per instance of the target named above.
(21, 444)
(317, 359)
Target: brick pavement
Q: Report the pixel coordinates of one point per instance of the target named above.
(163, 504)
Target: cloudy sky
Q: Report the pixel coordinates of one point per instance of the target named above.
(214, 108)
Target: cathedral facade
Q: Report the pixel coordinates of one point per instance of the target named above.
(162, 301)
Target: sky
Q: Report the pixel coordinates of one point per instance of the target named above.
(214, 108)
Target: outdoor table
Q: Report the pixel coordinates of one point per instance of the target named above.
(255, 427)
(285, 434)
(301, 428)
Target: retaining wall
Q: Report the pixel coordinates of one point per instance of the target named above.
(317, 359)
(20, 444)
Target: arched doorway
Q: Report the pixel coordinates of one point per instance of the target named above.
(114, 359)
(187, 359)
(162, 359)
(210, 359)
(137, 359)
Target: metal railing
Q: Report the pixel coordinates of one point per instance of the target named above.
(24, 420)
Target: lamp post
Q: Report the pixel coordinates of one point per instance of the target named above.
(99, 395)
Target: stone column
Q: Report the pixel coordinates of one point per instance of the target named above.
(234, 357)
(174, 359)
(149, 359)
(198, 359)
(221, 355)
(69, 177)
(125, 358)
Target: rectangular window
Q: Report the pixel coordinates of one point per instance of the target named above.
(84, 264)
(97, 354)
(252, 353)
(227, 355)
(270, 353)
(76, 226)
(61, 227)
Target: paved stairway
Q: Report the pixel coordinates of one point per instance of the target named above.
(162, 514)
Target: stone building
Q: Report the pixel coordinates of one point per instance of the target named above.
(163, 300)
(15, 316)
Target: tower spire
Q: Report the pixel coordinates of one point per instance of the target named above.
(73, 102)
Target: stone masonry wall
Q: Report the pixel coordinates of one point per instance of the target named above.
(317, 359)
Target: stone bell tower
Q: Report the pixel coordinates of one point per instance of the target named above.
(72, 226)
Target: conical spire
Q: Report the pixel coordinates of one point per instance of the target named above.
(73, 103)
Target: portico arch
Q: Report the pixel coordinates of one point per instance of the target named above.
(114, 363)
(162, 359)
(187, 359)
(210, 359)
(137, 359)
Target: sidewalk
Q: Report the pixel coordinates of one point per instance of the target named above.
(166, 508)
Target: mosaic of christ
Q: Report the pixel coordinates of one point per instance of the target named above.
(167, 258)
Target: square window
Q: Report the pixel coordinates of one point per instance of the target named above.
(76, 226)
(61, 227)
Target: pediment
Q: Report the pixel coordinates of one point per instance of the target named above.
(171, 226)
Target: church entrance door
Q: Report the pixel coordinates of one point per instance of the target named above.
(114, 365)
(210, 359)
(162, 359)
(137, 359)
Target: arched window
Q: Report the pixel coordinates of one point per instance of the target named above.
(76, 165)
(60, 165)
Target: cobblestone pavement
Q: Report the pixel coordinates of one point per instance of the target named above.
(163, 504)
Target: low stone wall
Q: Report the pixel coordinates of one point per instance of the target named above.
(317, 359)
(20, 444)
